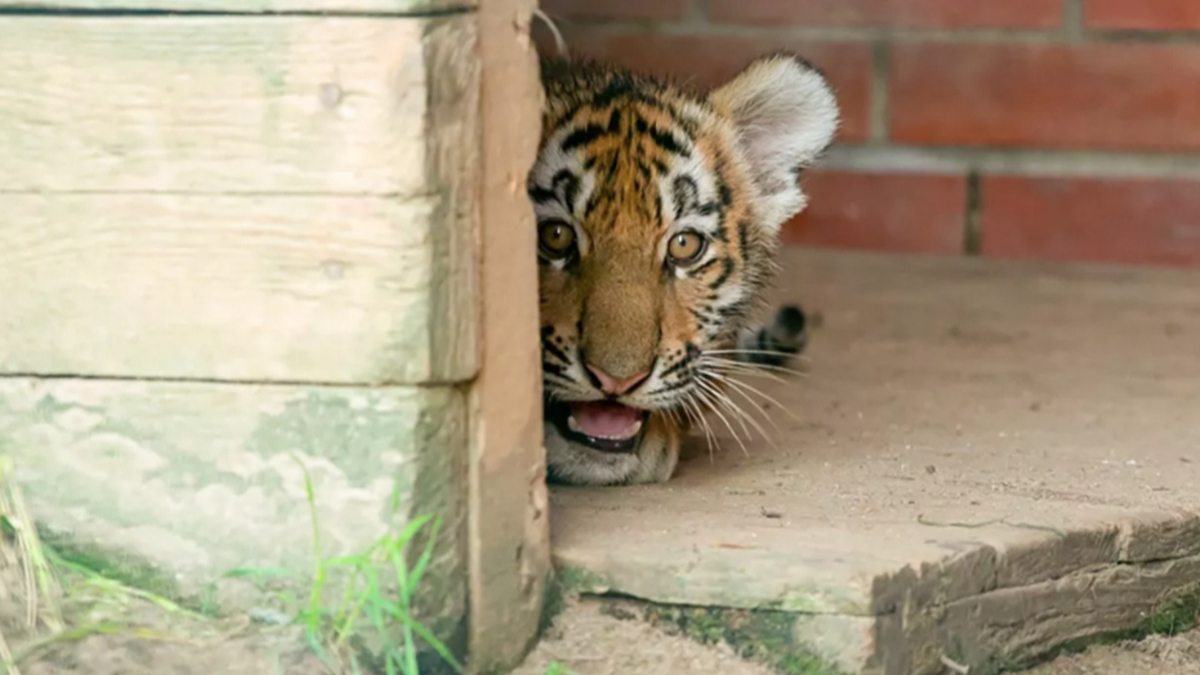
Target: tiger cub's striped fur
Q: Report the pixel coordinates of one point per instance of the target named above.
(658, 214)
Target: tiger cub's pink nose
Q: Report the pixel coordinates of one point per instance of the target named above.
(614, 386)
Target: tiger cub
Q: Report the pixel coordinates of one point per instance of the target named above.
(658, 214)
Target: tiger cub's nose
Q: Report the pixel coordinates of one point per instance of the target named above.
(614, 386)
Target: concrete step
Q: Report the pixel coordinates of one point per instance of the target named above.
(982, 463)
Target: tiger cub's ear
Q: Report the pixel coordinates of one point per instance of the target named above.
(786, 115)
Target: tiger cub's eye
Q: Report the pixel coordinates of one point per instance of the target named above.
(556, 239)
(685, 248)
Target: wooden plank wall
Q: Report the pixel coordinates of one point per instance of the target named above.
(241, 168)
(230, 240)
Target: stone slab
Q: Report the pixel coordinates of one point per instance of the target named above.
(971, 447)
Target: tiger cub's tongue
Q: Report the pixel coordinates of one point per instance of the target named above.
(604, 419)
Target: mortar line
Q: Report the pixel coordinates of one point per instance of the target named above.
(972, 218)
(698, 14)
(881, 68)
(1124, 37)
(1073, 30)
(893, 34)
(826, 34)
(962, 159)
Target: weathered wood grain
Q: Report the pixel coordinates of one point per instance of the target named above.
(509, 510)
(311, 289)
(226, 104)
(389, 7)
(453, 165)
(239, 199)
(197, 479)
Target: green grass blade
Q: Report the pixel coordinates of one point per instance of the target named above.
(258, 573)
(418, 570)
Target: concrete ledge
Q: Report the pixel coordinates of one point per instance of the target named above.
(984, 462)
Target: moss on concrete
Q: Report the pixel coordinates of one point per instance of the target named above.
(114, 564)
(764, 635)
(768, 636)
(1180, 615)
(554, 601)
(581, 581)
(351, 429)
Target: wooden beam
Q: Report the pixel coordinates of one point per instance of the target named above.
(309, 289)
(153, 227)
(227, 104)
(510, 551)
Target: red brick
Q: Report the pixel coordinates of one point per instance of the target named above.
(709, 60)
(1164, 15)
(1088, 219)
(915, 213)
(1102, 96)
(617, 9)
(898, 13)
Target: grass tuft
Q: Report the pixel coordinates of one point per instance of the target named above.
(352, 601)
(378, 590)
(25, 572)
(42, 580)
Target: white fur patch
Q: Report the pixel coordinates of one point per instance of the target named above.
(550, 162)
(786, 115)
(706, 191)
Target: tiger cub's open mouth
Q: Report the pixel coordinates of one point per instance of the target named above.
(606, 426)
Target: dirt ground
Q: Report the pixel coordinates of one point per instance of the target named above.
(152, 644)
(111, 655)
(585, 640)
(588, 641)
(98, 629)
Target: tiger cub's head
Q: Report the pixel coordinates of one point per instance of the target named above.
(657, 213)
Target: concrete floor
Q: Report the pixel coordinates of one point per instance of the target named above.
(983, 461)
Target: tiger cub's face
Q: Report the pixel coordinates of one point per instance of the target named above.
(658, 214)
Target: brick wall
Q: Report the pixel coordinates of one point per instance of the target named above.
(1051, 129)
